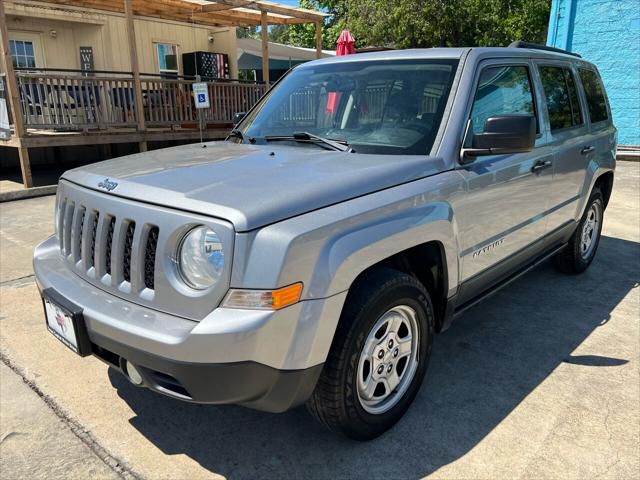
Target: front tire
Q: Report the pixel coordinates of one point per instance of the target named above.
(378, 358)
(583, 244)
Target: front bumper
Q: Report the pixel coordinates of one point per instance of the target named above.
(263, 359)
(248, 383)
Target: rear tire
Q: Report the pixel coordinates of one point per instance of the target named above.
(583, 244)
(378, 358)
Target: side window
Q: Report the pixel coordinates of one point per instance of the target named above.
(594, 92)
(501, 90)
(576, 113)
(562, 97)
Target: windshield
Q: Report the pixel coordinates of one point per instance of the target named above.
(390, 107)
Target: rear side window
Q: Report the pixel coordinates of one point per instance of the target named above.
(562, 97)
(501, 90)
(594, 92)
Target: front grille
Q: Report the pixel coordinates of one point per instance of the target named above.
(91, 259)
(80, 228)
(150, 258)
(128, 248)
(109, 245)
(66, 222)
(80, 235)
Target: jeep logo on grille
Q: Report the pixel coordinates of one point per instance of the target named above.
(107, 184)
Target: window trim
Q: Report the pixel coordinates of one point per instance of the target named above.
(156, 43)
(33, 49)
(492, 63)
(591, 68)
(567, 66)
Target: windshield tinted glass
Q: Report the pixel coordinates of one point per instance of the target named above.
(390, 107)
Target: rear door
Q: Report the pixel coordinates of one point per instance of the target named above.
(502, 221)
(602, 133)
(568, 137)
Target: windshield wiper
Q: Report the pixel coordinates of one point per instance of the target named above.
(310, 137)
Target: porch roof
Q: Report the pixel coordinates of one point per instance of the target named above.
(214, 13)
(281, 57)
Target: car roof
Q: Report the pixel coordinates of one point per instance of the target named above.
(444, 53)
(408, 54)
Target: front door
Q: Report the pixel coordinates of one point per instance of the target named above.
(503, 218)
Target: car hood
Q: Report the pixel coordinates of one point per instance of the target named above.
(250, 185)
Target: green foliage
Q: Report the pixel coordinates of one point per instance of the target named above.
(305, 35)
(422, 23)
(247, 32)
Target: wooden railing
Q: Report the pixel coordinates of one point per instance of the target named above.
(170, 102)
(73, 101)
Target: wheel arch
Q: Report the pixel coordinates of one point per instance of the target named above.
(605, 183)
(600, 176)
(427, 262)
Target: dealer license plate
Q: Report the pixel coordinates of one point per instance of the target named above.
(60, 324)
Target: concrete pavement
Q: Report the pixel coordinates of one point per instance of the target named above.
(36, 443)
(540, 381)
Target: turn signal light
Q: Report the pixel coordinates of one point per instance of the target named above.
(264, 299)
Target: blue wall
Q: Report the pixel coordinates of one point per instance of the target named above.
(606, 33)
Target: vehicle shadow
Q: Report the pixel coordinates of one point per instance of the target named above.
(481, 369)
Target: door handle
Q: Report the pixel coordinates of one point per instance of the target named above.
(587, 150)
(540, 165)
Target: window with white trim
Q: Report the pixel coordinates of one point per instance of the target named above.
(167, 54)
(22, 54)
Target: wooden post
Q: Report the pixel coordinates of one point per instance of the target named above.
(318, 39)
(14, 99)
(264, 34)
(135, 70)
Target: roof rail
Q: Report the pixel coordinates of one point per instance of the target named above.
(535, 46)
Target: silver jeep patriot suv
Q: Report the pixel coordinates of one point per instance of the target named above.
(354, 212)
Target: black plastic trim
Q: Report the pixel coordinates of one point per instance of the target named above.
(485, 284)
(250, 384)
(546, 48)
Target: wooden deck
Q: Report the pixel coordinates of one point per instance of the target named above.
(70, 100)
(38, 138)
(12, 186)
(112, 107)
(63, 108)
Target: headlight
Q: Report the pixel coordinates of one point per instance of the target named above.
(200, 258)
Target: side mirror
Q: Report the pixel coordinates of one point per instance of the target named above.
(237, 117)
(504, 134)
